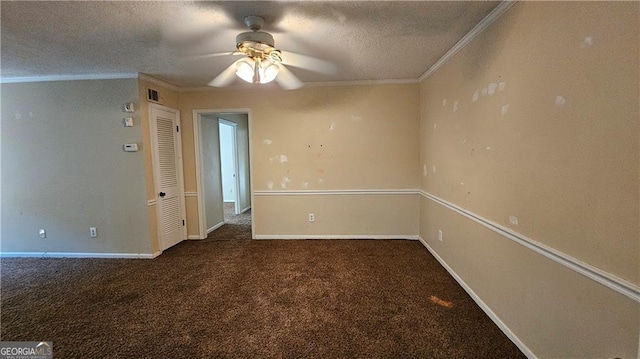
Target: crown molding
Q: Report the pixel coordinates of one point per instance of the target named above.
(305, 85)
(361, 82)
(158, 82)
(466, 39)
(77, 77)
(244, 87)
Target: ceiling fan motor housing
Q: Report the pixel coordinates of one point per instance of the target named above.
(255, 43)
(255, 36)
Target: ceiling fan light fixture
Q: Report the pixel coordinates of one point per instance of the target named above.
(262, 62)
(245, 69)
(257, 71)
(268, 71)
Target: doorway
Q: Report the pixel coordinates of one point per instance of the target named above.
(229, 168)
(223, 173)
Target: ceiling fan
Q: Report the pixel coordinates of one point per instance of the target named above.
(262, 62)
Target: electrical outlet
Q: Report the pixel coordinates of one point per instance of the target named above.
(93, 232)
(312, 217)
(440, 235)
(43, 233)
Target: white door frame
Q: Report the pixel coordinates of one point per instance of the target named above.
(197, 144)
(156, 170)
(236, 164)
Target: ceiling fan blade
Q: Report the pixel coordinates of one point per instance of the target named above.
(287, 80)
(216, 54)
(308, 63)
(226, 77)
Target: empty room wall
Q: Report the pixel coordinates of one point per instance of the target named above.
(313, 150)
(64, 169)
(533, 128)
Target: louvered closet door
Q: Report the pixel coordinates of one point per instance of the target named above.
(167, 176)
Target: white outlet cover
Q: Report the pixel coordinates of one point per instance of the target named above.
(440, 235)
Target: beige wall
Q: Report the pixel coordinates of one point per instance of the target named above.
(64, 169)
(337, 216)
(537, 118)
(321, 138)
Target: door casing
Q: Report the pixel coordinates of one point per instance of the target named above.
(197, 125)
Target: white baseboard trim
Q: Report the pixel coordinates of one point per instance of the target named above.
(78, 255)
(605, 278)
(194, 237)
(514, 338)
(335, 236)
(215, 227)
(246, 209)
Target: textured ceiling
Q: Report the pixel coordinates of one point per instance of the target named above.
(366, 40)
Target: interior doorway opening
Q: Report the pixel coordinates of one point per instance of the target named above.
(223, 173)
(229, 164)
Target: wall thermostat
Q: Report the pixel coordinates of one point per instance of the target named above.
(131, 147)
(129, 107)
(127, 121)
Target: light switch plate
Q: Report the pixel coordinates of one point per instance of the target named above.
(127, 121)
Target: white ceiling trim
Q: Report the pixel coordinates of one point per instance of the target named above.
(306, 84)
(245, 86)
(361, 82)
(159, 82)
(115, 76)
(479, 28)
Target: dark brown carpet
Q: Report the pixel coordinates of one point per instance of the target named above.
(250, 299)
(231, 217)
(236, 226)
